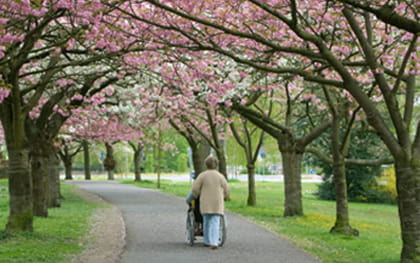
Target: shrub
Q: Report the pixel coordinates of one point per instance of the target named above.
(182, 162)
(363, 187)
(388, 184)
(326, 188)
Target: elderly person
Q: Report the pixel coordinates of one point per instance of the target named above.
(212, 188)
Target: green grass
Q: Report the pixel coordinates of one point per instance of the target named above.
(55, 238)
(379, 240)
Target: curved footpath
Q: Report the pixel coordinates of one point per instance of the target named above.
(155, 231)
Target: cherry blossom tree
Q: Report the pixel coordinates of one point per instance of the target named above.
(291, 141)
(346, 44)
(248, 136)
(16, 49)
(46, 49)
(138, 110)
(183, 94)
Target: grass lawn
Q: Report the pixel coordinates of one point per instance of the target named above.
(379, 240)
(55, 238)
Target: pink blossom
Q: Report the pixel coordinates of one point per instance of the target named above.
(109, 91)
(77, 97)
(243, 74)
(9, 38)
(33, 115)
(101, 43)
(70, 44)
(376, 99)
(4, 93)
(309, 97)
(38, 45)
(228, 103)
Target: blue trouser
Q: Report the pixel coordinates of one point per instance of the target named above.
(211, 224)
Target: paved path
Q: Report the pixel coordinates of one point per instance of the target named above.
(155, 225)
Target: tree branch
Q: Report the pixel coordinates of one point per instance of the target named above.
(226, 30)
(390, 100)
(262, 121)
(388, 16)
(315, 133)
(236, 135)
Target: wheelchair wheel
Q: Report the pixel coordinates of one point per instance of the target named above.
(190, 227)
(222, 231)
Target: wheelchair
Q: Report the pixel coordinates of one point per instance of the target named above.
(194, 226)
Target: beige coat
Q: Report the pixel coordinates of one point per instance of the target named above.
(212, 188)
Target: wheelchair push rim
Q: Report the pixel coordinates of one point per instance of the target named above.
(190, 228)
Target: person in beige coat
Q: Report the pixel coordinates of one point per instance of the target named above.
(212, 188)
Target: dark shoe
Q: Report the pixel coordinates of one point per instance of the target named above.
(207, 245)
(213, 247)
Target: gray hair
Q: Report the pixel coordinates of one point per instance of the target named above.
(211, 162)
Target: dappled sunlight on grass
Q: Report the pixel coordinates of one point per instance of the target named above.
(322, 221)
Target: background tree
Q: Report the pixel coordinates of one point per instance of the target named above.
(292, 141)
(247, 142)
(340, 144)
(85, 146)
(67, 150)
(200, 149)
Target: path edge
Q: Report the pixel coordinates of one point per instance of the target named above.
(106, 239)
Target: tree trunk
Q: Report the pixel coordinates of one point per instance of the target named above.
(408, 187)
(45, 177)
(68, 169)
(291, 149)
(110, 175)
(19, 170)
(222, 162)
(40, 172)
(339, 150)
(342, 220)
(252, 196)
(86, 158)
(54, 197)
(109, 162)
(199, 153)
(20, 190)
(293, 188)
(138, 154)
